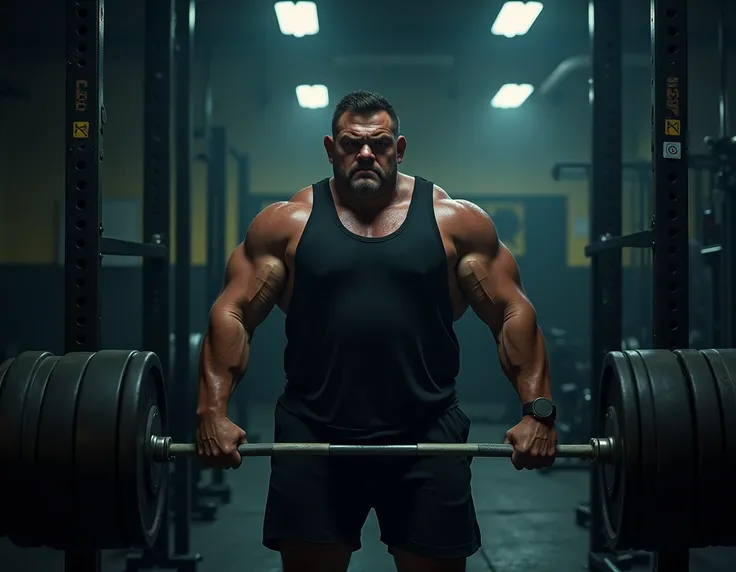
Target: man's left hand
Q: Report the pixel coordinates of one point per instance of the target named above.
(535, 444)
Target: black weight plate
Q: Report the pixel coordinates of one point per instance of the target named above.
(15, 386)
(143, 483)
(618, 481)
(3, 368)
(675, 449)
(55, 451)
(646, 507)
(728, 357)
(722, 364)
(26, 523)
(99, 524)
(708, 426)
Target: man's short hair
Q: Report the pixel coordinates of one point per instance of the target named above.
(363, 103)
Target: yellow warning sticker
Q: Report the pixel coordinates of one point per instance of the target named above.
(80, 130)
(672, 127)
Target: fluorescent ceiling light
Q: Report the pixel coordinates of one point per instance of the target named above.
(511, 95)
(312, 96)
(297, 19)
(516, 18)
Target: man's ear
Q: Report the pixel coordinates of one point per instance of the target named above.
(400, 148)
(330, 148)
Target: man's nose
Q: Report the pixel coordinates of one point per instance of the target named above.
(366, 152)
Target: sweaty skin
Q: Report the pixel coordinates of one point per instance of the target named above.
(482, 274)
(489, 277)
(254, 280)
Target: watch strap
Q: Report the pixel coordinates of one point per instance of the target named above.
(529, 409)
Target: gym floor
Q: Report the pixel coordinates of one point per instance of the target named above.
(527, 520)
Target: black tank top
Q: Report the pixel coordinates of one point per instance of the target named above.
(371, 349)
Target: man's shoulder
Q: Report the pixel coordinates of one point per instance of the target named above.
(281, 219)
(303, 197)
(461, 219)
(464, 210)
(299, 202)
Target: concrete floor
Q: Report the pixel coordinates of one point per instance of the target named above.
(527, 521)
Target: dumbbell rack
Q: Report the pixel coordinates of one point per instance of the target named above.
(669, 230)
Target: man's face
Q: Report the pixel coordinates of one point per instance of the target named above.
(364, 153)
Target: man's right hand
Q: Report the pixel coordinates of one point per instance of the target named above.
(217, 441)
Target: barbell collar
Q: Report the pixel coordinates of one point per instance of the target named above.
(162, 449)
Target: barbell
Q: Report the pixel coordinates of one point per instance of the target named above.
(84, 451)
(162, 449)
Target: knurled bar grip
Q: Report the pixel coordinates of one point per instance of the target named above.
(165, 450)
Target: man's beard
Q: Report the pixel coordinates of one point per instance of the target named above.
(361, 185)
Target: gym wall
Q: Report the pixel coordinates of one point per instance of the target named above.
(453, 138)
(5, 163)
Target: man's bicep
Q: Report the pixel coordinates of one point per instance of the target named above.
(254, 282)
(256, 272)
(491, 283)
(508, 277)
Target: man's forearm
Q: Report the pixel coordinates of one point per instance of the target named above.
(523, 355)
(225, 353)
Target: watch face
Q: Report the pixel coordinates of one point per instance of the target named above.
(542, 407)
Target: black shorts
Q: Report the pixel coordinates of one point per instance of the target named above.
(423, 504)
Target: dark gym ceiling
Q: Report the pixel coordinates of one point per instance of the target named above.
(403, 27)
(458, 31)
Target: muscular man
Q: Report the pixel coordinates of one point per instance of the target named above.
(372, 267)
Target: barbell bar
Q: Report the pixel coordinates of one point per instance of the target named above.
(164, 450)
(82, 442)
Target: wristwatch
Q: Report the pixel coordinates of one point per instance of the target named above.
(542, 409)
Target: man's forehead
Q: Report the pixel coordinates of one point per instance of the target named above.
(364, 123)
